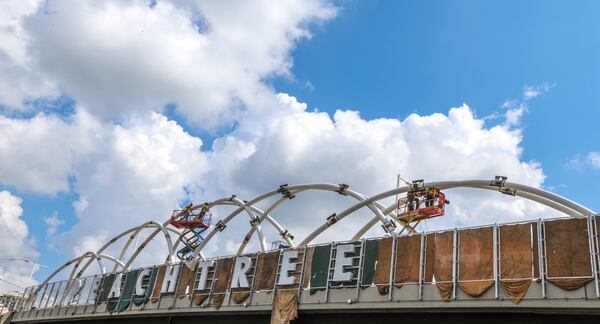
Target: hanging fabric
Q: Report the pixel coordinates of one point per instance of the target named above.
(224, 268)
(187, 278)
(568, 253)
(285, 306)
(442, 263)
(408, 259)
(516, 260)
(383, 266)
(476, 260)
(266, 271)
(160, 276)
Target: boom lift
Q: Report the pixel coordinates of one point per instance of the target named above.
(195, 222)
(421, 203)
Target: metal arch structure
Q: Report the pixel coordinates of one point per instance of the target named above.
(381, 214)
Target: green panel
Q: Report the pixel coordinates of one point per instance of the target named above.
(105, 287)
(147, 284)
(369, 261)
(111, 303)
(128, 288)
(320, 268)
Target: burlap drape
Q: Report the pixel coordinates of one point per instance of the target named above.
(369, 262)
(476, 260)
(408, 258)
(382, 269)
(516, 260)
(160, 277)
(442, 263)
(266, 271)
(567, 253)
(285, 306)
(239, 295)
(319, 268)
(307, 266)
(224, 267)
(187, 277)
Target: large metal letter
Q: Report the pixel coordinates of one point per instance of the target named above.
(115, 290)
(242, 266)
(340, 261)
(203, 271)
(286, 267)
(171, 274)
(139, 289)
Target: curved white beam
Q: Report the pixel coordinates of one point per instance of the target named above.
(478, 184)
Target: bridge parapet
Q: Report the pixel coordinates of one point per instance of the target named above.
(543, 265)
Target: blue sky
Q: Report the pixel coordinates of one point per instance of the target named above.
(390, 59)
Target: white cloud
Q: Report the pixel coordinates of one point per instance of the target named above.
(530, 92)
(117, 57)
(53, 222)
(37, 154)
(14, 243)
(123, 60)
(594, 159)
(515, 109)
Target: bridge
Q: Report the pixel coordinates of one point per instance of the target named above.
(546, 267)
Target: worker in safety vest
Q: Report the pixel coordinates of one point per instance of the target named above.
(429, 197)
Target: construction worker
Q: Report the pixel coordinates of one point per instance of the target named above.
(429, 197)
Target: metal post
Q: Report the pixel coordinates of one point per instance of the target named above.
(253, 278)
(595, 229)
(277, 274)
(212, 281)
(392, 266)
(542, 254)
(496, 253)
(333, 246)
(455, 262)
(302, 268)
(422, 260)
(359, 274)
(592, 248)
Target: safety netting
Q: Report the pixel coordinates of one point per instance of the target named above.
(476, 260)
(517, 259)
(308, 256)
(383, 266)
(568, 253)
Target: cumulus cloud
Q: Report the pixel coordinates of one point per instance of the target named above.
(14, 243)
(37, 154)
(128, 163)
(115, 57)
